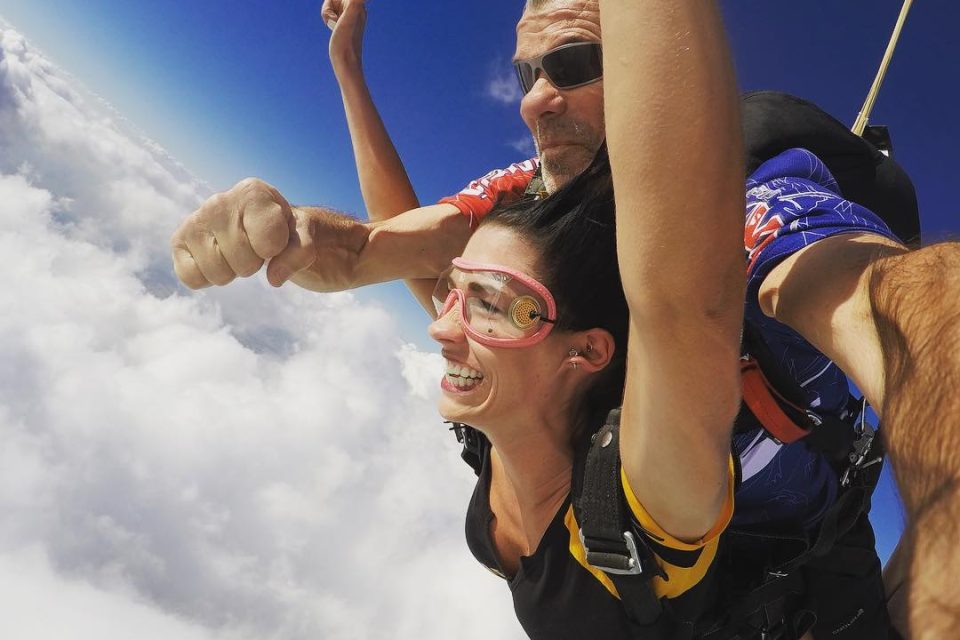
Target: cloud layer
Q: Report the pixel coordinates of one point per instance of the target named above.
(502, 86)
(241, 463)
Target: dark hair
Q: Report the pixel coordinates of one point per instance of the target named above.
(574, 232)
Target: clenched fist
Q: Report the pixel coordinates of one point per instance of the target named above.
(233, 233)
(347, 20)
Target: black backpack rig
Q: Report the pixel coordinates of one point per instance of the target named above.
(771, 585)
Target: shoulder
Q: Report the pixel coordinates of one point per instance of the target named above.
(792, 202)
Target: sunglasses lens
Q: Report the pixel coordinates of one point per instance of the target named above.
(526, 75)
(573, 66)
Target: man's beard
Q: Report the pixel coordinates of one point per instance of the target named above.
(560, 164)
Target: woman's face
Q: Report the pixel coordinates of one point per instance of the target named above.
(484, 384)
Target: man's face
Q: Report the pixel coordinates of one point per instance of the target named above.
(567, 124)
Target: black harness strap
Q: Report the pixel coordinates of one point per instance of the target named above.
(610, 539)
(472, 441)
(843, 514)
(608, 544)
(768, 613)
(774, 608)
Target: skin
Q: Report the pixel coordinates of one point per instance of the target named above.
(567, 125)
(889, 319)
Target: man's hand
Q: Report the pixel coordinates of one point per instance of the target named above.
(233, 233)
(346, 19)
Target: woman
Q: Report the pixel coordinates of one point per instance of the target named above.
(534, 345)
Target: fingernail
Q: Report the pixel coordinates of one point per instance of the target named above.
(331, 24)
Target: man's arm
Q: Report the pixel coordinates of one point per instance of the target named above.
(234, 233)
(679, 230)
(891, 319)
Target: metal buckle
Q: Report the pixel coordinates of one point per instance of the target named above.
(632, 565)
(866, 433)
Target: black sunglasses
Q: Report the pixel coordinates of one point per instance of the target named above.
(567, 66)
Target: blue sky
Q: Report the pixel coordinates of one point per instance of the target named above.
(244, 88)
(233, 89)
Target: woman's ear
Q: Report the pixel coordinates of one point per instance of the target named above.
(592, 350)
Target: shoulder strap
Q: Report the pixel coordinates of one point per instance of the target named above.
(609, 539)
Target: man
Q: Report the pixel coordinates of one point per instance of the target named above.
(884, 315)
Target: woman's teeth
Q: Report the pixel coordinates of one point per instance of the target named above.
(462, 376)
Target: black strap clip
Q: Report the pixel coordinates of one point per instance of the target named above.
(623, 560)
(472, 441)
(860, 458)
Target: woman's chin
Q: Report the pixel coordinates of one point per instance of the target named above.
(452, 410)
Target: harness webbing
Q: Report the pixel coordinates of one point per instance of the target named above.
(779, 403)
(761, 398)
(772, 609)
(610, 540)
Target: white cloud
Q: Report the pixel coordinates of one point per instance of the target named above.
(503, 87)
(241, 463)
(524, 145)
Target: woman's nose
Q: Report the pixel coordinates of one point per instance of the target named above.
(447, 327)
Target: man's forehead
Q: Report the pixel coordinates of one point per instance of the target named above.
(547, 25)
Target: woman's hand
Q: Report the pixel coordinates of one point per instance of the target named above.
(347, 19)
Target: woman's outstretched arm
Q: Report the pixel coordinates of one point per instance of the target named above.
(673, 132)
(384, 183)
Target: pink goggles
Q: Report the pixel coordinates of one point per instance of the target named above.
(499, 307)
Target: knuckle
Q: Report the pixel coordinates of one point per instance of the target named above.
(177, 240)
(267, 228)
(188, 272)
(254, 189)
(248, 184)
(249, 267)
(223, 278)
(220, 201)
(215, 208)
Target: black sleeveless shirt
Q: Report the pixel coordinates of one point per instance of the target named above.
(557, 596)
